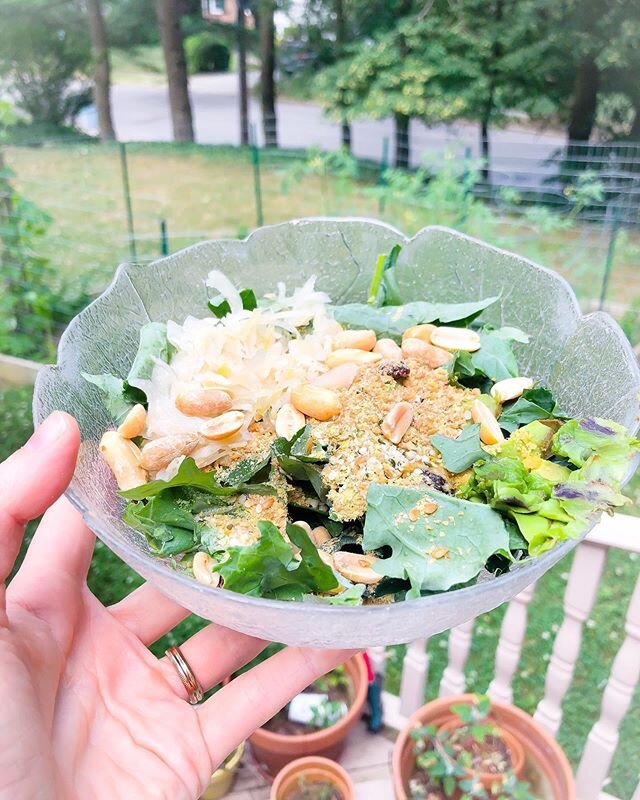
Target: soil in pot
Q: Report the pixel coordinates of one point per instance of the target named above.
(314, 790)
(337, 685)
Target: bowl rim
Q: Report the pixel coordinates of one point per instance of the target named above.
(155, 565)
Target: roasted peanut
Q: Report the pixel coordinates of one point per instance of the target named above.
(361, 340)
(202, 569)
(397, 422)
(356, 568)
(510, 388)
(388, 349)
(289, 421)
(133, 424)
(223, 426)
(456, 339)
(490, 432)
(123, 457)
(432, 356)
(158, 453)
(316, 401)
(420, 332)
(351, 355)
(197, 402)
(320, 535)
(338, 378)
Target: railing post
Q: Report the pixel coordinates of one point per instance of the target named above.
(453, 680)
(579, 598)
(257, 185)
(124, 169)
(415, 668)
(164, 239)
(512, 632)
(603, 738)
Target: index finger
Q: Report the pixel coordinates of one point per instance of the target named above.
(251, 699)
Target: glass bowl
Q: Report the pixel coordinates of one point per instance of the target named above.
(585, 360)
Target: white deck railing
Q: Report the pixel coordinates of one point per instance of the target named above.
(619, 531)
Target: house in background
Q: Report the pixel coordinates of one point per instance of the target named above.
(224, 11)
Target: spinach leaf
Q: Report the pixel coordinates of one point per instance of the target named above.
(305, 448)
(168, 528)
(384, 286)
(494, 361)
(248, 468)
(268, 568)
(435, 551)
(189, 475)
(392, 321)
(459, 454)
(295, 467)
(534, 404)
(222, 308)
(153, 346)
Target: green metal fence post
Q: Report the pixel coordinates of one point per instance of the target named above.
(384, 165)
(164, 239)
(124, 168)
(257, 187)
(611, 249)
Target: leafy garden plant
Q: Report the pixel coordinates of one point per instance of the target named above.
(449, 761)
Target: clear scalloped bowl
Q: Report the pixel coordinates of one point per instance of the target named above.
(585, 360)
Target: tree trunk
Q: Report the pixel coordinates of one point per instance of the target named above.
(102, 73)
(485, 154)
(634, 134)
(402, 141)
(242, 75)
(585, 101)
(176, 66)
(341, 39)
(267, 72)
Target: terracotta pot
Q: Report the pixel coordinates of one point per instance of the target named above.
(544, 758)
(315, 769)
(514, 748)
(273, 751)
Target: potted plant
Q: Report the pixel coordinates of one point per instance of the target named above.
(222, 779)
(312, 778)
(472, 748)
(334, 704)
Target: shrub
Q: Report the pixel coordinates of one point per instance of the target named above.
(206, 53)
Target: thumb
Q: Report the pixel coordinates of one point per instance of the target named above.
(33, 478)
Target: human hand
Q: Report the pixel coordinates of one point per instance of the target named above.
(86, 710)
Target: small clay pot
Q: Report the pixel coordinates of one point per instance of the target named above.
(272, 751)
(514, 748)
(539, 746)
(314, 769)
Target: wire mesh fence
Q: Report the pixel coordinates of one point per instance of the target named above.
(571, 208)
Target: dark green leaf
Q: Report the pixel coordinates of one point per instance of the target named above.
(459, 454)
(157, 511)
(221, 307)
(268, 568)
(296, 468)
(113, 389)
(246, 469)
(471, 533)
(392, 321)
(191, 476)
(384, 286)
(534, 404)
(495, 358)
(305, 448)
(167, 540)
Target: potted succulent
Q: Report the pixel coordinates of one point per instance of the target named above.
(223, 778)
(472, 748)
(330, 708)
(312, 778)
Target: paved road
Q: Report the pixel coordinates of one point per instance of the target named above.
(142, 114)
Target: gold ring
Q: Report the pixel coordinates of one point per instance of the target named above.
(195, 692)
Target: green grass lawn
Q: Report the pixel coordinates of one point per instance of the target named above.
(207, 192)
(110, 579)
(142, 65)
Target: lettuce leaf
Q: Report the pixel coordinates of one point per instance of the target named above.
(301, 467)
(153, 346)
(469, 533)
(459, 454)
(268, 567)
(494, 361)
(189, 475)
(392, 321)
(579, 440)
(222, 308)
(116, 398)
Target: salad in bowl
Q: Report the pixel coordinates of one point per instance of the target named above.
(308, 442)
(292, 448)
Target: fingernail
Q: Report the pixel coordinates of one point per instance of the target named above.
(49, 432)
